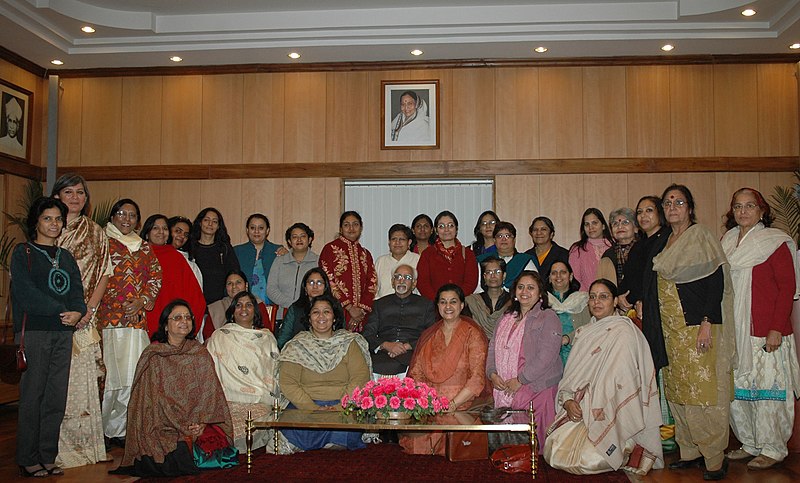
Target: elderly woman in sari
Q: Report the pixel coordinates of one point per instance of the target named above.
(177, 403)
(246, 359)
(450, 357)
(132, 290)
(523, 361)
(767, 377)
(624, 231)
(411, 125)
(564, 296)
(487, 306)
(608, 412)
(81, 440)
(318, 367)
(696, 318)
(177, 279)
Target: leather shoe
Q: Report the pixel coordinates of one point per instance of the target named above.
(738, 454)
(762, 462)
(718, 474)
(684, 464)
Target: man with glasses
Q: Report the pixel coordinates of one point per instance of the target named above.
(396, 322)
(400, 237)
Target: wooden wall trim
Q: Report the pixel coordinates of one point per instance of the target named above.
(22, 62)
(19, 168)
(437, 64)
(438, 169)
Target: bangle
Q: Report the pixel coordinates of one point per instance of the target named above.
(93, 309)
(145, 300)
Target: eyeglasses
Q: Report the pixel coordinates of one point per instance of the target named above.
(317, 283)
(400, 277)
(605, 296)
(398, 239)
(749, 206)
(180, 317)
(496, 272)
(620, 223)
(442, 226)
(131, 215)
(504, 236)
(487, 223)
(678, 203)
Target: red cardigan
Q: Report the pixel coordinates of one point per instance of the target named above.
(773, 293)
(434, 271)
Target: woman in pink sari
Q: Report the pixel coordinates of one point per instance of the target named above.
(524, 362)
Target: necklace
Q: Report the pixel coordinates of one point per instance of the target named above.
(57, 279)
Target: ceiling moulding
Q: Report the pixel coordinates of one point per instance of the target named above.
(22, 62)
(442, 64)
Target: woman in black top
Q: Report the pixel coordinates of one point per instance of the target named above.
(210, 247)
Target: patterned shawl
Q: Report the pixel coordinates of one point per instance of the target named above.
(323, 355)
(173, 388)
(448, 254)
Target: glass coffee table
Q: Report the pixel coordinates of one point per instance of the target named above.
(516, 421)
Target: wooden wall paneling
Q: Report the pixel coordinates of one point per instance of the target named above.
(518, 201)
(735, 110)
(561, 112)
(691, 93)
(347, 123)
(141, 120)
(606, 192)
(648, 110)
(447, 119)
(778, 133)
(474, 137)
(35, 84)
(704, 191)
(101, 116)
(226, 196)
(262, 128)
(70, 110)
(517, 113)
(726, 185)
(562, 199)
(264, 196)
(104, 191)
(182, 119)
(145, 193)
(317, 203)
(304, 121)
(604, 113)
(14, 189)
(223, 105)
(767, 183)
(179, 197)
(334, 204)
(645, 184)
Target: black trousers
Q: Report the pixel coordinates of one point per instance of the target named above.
(43, 396)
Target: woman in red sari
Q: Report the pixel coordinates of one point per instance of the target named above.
(448, 261)
(451, 357)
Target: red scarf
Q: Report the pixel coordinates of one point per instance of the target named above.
(449, 254)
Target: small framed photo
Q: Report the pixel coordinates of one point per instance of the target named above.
(15, 121)
(410, 114)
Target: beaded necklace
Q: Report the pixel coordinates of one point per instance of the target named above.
(58, 278)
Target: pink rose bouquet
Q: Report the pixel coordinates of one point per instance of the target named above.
(392, 394)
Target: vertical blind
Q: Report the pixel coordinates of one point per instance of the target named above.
(384, 203)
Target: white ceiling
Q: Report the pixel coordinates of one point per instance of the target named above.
(145, 33)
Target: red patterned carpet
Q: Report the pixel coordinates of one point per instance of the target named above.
(381, 462)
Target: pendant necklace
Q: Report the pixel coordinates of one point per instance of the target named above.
(58, 278)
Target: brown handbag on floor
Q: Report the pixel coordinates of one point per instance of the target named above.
(466, 445)
(512, 459)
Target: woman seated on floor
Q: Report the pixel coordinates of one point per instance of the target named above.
(318, 367)
(608, 410)
(451, 357)
(246, 359)
(178, 419)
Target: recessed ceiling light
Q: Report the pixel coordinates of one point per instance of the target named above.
(749, 12)
(56, 62)
(175, 58)
(416, 52)
(667, 47)
(795, 46)
(294, 55)
(88, 29)
(540, 49)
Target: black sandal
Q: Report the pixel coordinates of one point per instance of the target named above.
(54, 470)
(38, 472)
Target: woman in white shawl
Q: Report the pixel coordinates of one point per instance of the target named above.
(608, 410)
(246, 359)
(412, 126)
(766, 378)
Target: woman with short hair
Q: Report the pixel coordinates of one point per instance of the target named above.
(289, 269)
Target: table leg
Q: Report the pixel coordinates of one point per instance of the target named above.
(248, 438)
(276, 411)
(534, 441)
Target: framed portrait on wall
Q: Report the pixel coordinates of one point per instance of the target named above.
(15, 121)
(410, 114)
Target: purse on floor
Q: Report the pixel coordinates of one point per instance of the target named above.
(466, 445)
(512, 459)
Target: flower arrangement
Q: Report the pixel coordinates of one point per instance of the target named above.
(378, 399)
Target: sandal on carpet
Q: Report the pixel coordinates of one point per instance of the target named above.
(54, 470)
(38, 471)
